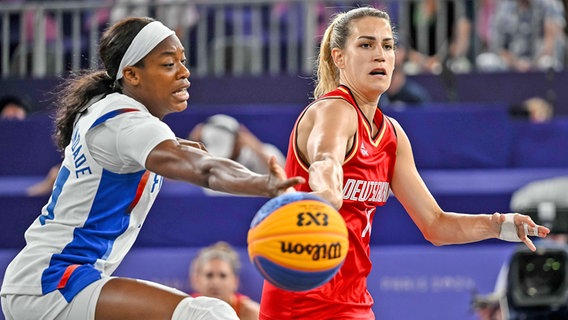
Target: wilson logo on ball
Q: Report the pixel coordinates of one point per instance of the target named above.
(316, 251)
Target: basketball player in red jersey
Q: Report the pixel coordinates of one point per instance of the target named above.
(351, 154)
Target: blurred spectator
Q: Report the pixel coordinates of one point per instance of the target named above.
(30, 21)
(527, 35)
(484, 16)
(565, 2)
(403, 91)
(224, 136)
(45, 186)
(486, 307)
(13, 108)
(178, 16)
(215, 273)
(429, 49)
(535, 109)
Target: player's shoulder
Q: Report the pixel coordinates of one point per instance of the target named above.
(394, 122)
(125, 107)
(333, 105)
(121, 102)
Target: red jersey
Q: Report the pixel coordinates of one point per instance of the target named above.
(367, 172)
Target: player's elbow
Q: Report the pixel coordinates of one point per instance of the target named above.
(433, 228)
(432, 236)
(436, 243)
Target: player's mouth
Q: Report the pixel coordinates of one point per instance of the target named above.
(378, 72)
(182, 93)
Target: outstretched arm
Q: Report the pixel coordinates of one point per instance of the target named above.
(187, 163)
(191, 143)
(325, 133)
(440, 227)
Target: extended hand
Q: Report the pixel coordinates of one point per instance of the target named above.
(518, 227)
(278, 182)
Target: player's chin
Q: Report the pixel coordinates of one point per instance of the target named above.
(383, 86)
(178, 106)
(380, 86)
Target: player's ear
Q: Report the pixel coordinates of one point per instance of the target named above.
(130, 74)
(338, 57)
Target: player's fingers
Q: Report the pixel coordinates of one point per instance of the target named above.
(528, 242)
(275, 168)
(542, 231)
(530, 231)
(534, 230)
(288, 183)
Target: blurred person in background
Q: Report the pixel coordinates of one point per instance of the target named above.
(403, 91)
(13, 108)
(214, 272)
(535, 109)
(45, 186)
(178, 16)
(428, 51)
(223, 136)
(526, 35)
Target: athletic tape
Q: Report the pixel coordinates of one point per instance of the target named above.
(508, 230)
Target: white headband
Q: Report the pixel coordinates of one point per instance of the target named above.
(147, 39)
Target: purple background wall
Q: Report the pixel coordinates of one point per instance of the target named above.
(487, 88)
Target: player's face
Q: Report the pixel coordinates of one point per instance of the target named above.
(367, 62)
(216, 279)
(163, 80)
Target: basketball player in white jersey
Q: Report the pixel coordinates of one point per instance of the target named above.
(117, 152)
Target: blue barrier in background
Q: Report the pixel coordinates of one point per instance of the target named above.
(442, 137)
(407, 282)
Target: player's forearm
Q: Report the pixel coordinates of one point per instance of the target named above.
(326, 180)
(459, 228)
(232, 177)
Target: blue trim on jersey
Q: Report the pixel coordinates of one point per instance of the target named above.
(111, 114)
(62, 176)
(107, 220)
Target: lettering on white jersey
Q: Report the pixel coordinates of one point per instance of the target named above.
(364, 190)
(156, 183)
(79, 159)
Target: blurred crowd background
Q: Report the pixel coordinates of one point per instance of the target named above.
(43, 38)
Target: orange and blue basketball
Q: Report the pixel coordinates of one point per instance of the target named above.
(297, 241)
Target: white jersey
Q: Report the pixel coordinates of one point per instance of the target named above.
(94, 214)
